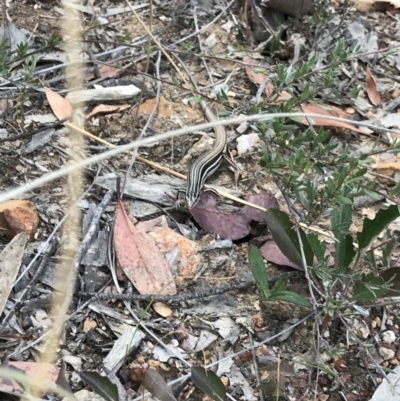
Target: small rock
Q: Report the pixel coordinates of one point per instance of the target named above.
(388, 336)
(386, 352)
(361, 328)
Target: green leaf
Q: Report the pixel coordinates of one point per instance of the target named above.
(344, 200)
(395, 190)
(209, 383)
(373, 195)
(372, 228)
(387, 249)
(344, 252)
(280, 285)
(318, 247)
(101, 385)
(392, 276)
(258, 269)
(341, 220)
(195, 99)
(291, 297)
(284, 234)
(344, 248)
(369, 288)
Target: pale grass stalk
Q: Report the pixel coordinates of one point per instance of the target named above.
(71, 26)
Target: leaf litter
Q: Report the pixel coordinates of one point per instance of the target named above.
(186, 257)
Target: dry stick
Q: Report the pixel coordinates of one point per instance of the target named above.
(232, 356)
(204, 28)
(43, 264)
(256, 367)
(211, 292)
(159, 45)
(221, 193)
(134, 152)
(151, 116)
(19, 191)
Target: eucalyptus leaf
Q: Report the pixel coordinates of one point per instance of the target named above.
(209, 383)
(280, 285)
(258, 269)
(372, 228)
(284, 234)
(291, 297)
(157, 386)
(101, 385)
(370, 287)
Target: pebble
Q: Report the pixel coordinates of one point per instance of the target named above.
(388, 336)
(386, 353)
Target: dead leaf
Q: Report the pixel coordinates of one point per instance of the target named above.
(3, 107)
(140, 258)
(42, 369)
(271, 252)
(162, 309)
(230, 225)
(388, 168)
(10, 262)
(165, 107)
(258, 78)
(18, 216)
(88, 324)
(188, 258)
(313, 108)
(106, 109)
(61, 107)
(157, 386)
(372, 93)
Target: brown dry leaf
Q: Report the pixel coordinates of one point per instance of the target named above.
(165, 107)
(88, 324)
(313, 108)
(230, 225)
(45, 370)
(372, 93)
(10, 262)
(140, 258)
(110, 71)
(376, 5)
(162, 309)
(271, 252)
(106, 109)
(61, 108)
(188, 259)
(258, 78)
(388, 168)
(3, 107)
(18, 216)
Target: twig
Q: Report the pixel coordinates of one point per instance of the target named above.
(43, 264)
(17, 192)
(187, 296)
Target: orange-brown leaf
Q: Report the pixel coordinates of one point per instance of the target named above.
(140, 258)
(61, 108)
(312, 108)
(372, 93)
